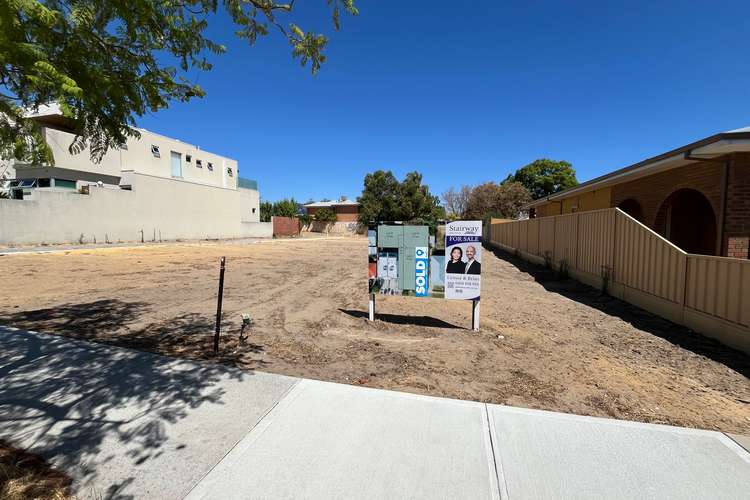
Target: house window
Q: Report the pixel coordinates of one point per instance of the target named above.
(176, 164)
(65, 183)
(253, 210)
(189, 158)
(199, 163)
(210, 167)
(155, 151)
(229, 171)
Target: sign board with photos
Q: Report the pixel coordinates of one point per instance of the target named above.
(408, 260)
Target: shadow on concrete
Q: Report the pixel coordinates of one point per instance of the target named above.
(120, 323)
(643, 320)
(70, 401)
(402, 319)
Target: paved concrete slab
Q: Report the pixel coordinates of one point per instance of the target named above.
(124, 423)
(545, 455)
(128, 424)
(331, 441)
(743, 441)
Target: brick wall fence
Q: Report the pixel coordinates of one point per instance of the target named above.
(285, 226)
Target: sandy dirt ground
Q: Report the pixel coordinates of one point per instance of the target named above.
(545, 343)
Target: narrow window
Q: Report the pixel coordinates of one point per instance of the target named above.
(210, 167)
(189, 158)
(155, 151)
(176, 164)
(199, 163)
(229, 171)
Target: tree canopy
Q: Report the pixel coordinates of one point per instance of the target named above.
(282, 208)
(455, 201)
(107, 62)
(544, 177)
(498, 200)
(384, 198)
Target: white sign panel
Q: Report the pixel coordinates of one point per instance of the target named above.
(463, 259)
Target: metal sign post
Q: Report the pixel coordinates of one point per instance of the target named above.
(475, 315)
(372, 307)
(218, 306)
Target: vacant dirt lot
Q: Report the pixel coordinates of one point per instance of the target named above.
(544, 343)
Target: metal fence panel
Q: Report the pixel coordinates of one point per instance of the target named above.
(647, 262)
(720, 287)
(566, 239)
(547, 237)
(596, 237)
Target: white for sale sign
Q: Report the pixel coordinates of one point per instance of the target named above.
(463, 259)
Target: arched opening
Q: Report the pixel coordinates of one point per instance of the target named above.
(687, 219)
(632, 208)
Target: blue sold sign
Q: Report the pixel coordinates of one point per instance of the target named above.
(422, 259)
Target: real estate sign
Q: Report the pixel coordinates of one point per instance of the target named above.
(463, 260)
(408, 260)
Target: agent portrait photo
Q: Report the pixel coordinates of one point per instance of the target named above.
(455, 264)
(472, 266)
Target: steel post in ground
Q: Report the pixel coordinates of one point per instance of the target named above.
(218, 306)
(475, 315)
(372, 307)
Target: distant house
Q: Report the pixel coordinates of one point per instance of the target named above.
(345, 210)
(347, 214)
(697, 196)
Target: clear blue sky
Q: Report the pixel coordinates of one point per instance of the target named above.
(466, 92)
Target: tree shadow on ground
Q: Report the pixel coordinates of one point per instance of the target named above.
(643, 320)
(109, 321)
(401, 319)
(71, 400)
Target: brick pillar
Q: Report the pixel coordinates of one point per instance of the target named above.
(738, 247)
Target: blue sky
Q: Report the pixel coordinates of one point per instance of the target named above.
(468, 92)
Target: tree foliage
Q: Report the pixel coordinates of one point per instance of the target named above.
(455, 201)
(304, 220)
(107, 62)
(545, 177)
(384, 198)
(266, 211)
(325, 215)
(282, 208)
(286, 208)
(497, 200)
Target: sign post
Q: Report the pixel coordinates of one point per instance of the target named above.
(372, 307)
(463, 264)
(475, 315)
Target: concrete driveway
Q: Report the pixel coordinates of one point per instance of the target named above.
(128, 424)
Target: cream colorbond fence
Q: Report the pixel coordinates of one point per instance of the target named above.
(609, 249)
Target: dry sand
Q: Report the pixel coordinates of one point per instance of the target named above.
(545, 343)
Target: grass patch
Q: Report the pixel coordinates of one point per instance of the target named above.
(24, 476)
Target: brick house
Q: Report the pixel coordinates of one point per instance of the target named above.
(345, 210)
(697, 196)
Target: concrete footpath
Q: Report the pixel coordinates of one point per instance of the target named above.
(128, 424)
